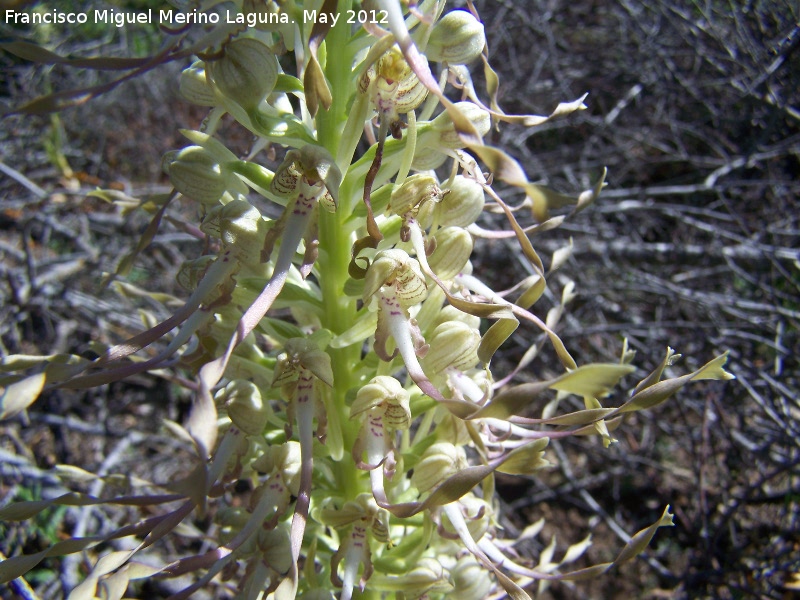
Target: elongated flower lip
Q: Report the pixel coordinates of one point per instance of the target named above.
(402, 331)
(457, 519)
(397, 281)
(365, 520)
(218, 272)
(356, 553)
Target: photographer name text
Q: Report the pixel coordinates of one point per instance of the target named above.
(173, 17)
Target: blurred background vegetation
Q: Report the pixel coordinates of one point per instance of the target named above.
(694, 106)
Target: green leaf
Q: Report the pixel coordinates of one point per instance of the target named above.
(543, 199)
(575, 551)
(561, 350)
(116, 584)
(202, 421)
(290, 294)
(586, 381)
(561, 256)
(104, 565)
(126, 264)
(586, 574)
(59, 101)
(127, 290)
(217, 149)
(286, 129)
(19, 511)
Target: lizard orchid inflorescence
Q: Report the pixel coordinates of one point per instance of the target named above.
(339, 355)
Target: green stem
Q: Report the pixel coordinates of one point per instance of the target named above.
(339, 73)
(339, 315)
(335, 242)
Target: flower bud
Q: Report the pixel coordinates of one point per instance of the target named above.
(463, 205)
(276, 547)
(428, 158)
(246, 409)
(457, 39)
(454, 344)
(470, 579)
(230, 521)
(195, 173)
(453, 249)
(427, 577)
(410, 93)
(239, 225)
(284, 459)
(413, 193)
(384, 393)
(424, 214)
(246, 73)
(451, 313)
(193, 86)
(443, 124)
(230, 516)
(439, 462)
(192, 271)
